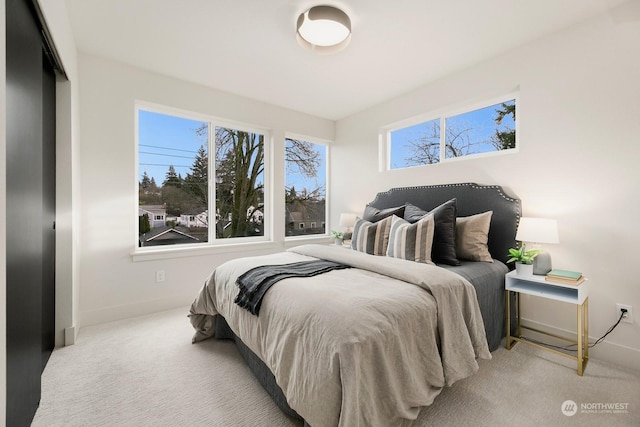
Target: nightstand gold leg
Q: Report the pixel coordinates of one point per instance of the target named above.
(507, 310)
(518, 329)
(586, 328)
(580, 339)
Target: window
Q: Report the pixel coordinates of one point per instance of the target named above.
(488, 129)
(239, 185)
(174, 166)
(305, 187)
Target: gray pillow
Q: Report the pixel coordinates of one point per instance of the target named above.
(411, 241)
(371, 238)
(374, 214)
(444, 238)
(472, 236)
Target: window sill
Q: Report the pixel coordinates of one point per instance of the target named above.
(158, 253)
(140, 255)
(290, 242)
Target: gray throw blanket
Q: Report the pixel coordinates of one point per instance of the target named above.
(255, 283)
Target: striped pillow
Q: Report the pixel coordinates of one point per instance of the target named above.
(371, 238)
(411, 241)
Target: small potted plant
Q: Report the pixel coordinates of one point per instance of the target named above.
(338, 236)
(523, 259)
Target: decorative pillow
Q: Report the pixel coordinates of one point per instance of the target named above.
(371, 238)
(374, 214)
(411, 241)
(472, 235)
(444, 238)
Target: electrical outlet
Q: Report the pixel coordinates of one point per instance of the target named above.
(628, 316)
(159, 276)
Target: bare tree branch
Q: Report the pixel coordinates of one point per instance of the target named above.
(300, 156)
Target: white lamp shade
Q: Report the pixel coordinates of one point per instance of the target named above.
(347, 220)
(538, 230)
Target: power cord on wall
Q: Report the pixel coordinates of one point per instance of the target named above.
(623, 311)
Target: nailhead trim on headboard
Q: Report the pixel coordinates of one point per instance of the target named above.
(506, 215)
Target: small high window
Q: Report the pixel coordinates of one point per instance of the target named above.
(479, 131)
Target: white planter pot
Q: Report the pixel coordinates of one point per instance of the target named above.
(338, 241)
(524, 269)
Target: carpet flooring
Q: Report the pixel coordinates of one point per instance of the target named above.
(145, 372)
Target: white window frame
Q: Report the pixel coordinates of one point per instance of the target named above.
(442, 115)
(177, 250)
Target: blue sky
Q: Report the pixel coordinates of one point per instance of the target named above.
(300, 182)
(481, 122)
(165, 140)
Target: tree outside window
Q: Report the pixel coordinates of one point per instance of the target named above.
(484, 130)
(174, 166)
(305, 187)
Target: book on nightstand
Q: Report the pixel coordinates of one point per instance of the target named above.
(566, 277)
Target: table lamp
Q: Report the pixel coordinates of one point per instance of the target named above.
(539, 230)
(347, 220)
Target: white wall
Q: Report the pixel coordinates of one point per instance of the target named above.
(112, 285)
(579, 124)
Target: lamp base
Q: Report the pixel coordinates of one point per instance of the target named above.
(542, 264)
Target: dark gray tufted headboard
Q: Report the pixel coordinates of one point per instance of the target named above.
(471, 199)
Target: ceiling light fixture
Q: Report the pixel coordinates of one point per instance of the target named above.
(324, 29)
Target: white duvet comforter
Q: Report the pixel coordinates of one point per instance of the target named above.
(369, 345)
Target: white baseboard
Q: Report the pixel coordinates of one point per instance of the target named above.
(605, 351)
(70, 335)
(121, 312)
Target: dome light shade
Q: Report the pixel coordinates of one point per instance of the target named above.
(324, 29)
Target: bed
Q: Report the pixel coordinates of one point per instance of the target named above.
(373, 343)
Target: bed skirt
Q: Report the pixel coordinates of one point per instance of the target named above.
(257, 366)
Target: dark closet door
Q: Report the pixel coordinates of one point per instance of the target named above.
(49, 208)
(25, 211)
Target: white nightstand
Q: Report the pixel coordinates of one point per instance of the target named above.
(539, 287)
